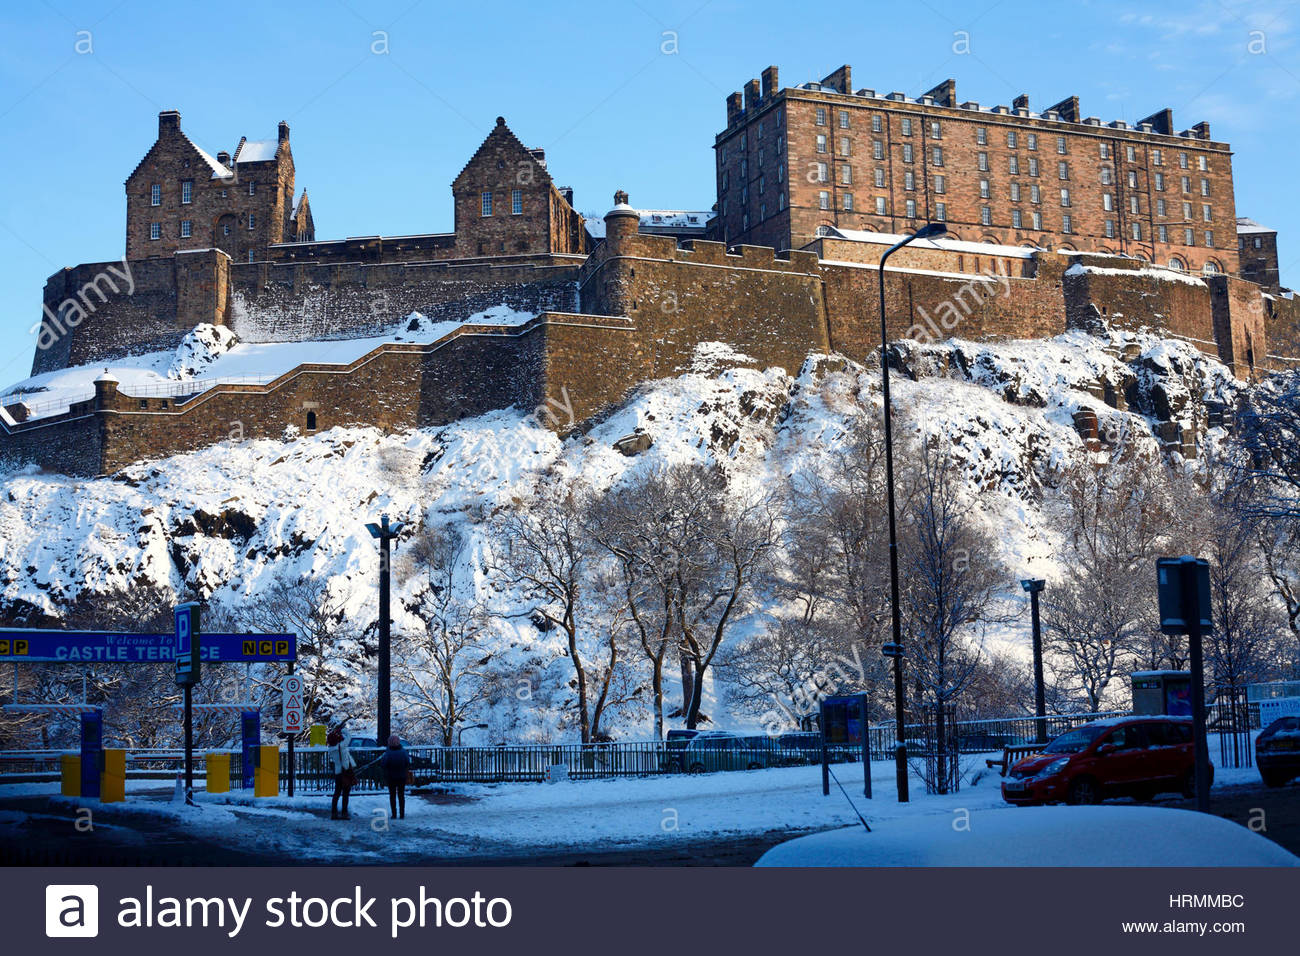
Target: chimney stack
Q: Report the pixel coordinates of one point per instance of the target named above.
(284, 131)
(770, 85)
(169, 121)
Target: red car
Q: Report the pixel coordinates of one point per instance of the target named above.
(1123, 756)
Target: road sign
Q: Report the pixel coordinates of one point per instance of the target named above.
(291, 703)
(1171, 583)
(186, 653)
(44, 646)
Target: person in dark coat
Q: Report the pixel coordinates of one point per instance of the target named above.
(344, 768)
(396, 764)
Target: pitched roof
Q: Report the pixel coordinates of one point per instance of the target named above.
(256, 150)
(502, 132)
(1247, 226)
(218, 171)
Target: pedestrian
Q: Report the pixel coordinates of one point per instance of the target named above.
(345, 777)
(396, 764)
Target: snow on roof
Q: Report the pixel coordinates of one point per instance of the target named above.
(948, 245)
(256, 150)
(1247, 226)
(218, 171)
(675, 218)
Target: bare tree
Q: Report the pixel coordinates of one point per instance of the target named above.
(444, 664)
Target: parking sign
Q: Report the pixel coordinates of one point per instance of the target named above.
(291, 703)
(187, 643)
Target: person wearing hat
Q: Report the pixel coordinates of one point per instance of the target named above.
(396, 764)
(344, 768)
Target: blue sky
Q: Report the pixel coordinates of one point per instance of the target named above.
(387, 100)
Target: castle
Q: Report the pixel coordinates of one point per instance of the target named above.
(1055, 220)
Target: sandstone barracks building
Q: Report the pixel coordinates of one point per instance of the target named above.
(1055, 221)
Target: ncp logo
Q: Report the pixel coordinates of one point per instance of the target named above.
(71, 910)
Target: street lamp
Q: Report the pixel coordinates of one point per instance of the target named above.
(384, 533)
(1035, 587)
(895, 649)
(461, 730)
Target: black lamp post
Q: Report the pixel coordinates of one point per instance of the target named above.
(895, 649)
(1035, 587)
(385, 533)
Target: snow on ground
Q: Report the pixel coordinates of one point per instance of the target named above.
(210, 354)
(1040, 836)
(232, 520)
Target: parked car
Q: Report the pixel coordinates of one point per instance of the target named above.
(1277, 751)
(714, 750)
(800, 747)
(675, 742)
(1123, 756)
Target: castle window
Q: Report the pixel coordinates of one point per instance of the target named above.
(516, 202)
(487, 204)
(1015, 192)
(846, 175)
(823, 200)
(1187, 210)
(1187, 184)
(1209, 239)
(907, 126)
(311, 421)
(821, 142)
(907, 153)
(936, 155)
(1065, 197)
(762, 184)
(911, 209)
(822, 175)
(144, 403)
(1212, 268)
(225, 229)
(1060, 145)
(1033, 165)
(1110, 228)
(252, 188)
(981, 135)
(1033, 193)
(1063, 170)
(1031, 140)
(1104, 148)
(1137, 231)
(1160, 207)
(187, 191)
(1037, 219)
(821, 116)
(844, 146)
(1163, 231)
(252, 221)
(780, 201)
(250, 255)
(1202, 163)
(1177, 263)
(187, 228)
(984, 189)
(1017, 218)
(1105, 176)
(1158, 157)
(939, 185)
(940, 211)
(848, 202)
(936, 129)
(780, 174)
(881, 206)
(877, 149)
(1182, 160)
(1189, 237)
(1108, 201)
(1258, 243)
(1133, 205)
(986, 215)
(844, 119)
(1132, 179)
(1067, 224)
(155, 195)
(1013, 165)
(1130, 153)
(876, 125)
(982, 161)
(1160, 182)
(155, 230)
(880, 178)
(762, 211)
(1205, 187)
(1011, 139)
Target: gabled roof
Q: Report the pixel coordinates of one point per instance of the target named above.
(301, 204)
(256, 150)
(502, 132)
(218, 171)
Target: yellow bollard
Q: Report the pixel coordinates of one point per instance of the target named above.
(112, 779)
(70, 764)
(218, 766)
(316, 736)
(266, 778)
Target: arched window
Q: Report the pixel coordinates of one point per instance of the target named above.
(1177, 263)
(1211, 267)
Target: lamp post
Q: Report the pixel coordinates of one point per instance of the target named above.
(1035, 587)
(460, 731)
(895, 649)
(384, 533)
